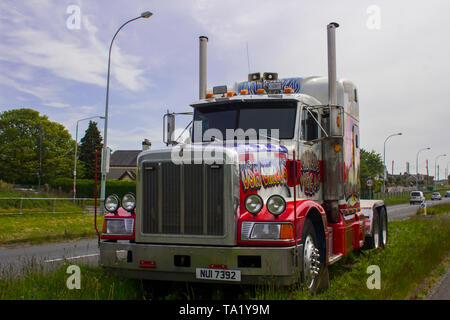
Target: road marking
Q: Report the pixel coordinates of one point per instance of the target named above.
(71, 258)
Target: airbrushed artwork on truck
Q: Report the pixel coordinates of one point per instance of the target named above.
(267, 170)
(262, 167)
(351, 173)
(310, 178)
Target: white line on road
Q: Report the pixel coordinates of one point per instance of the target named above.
(71, 258)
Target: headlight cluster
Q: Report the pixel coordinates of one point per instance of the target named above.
(275, 204)
(266, 231)
(128, 202)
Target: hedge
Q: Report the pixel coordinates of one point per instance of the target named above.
(85, 187)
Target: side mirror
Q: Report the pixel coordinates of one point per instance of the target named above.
(169, 128)
(294, 172)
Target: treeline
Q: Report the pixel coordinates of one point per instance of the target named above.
(36, 151)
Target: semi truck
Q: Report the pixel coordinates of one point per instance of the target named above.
(266, 188)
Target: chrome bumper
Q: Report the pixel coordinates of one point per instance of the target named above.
(159, 262)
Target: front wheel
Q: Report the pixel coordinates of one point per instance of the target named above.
(314, 270)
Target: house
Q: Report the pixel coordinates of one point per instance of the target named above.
(123, 165)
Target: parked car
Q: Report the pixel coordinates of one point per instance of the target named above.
(447, 194)
(416, 197)
(436, 196)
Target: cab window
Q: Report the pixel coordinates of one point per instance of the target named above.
(310, 128)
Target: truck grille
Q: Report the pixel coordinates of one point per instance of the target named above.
(182, 199)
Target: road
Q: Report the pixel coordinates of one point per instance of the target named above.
(16, 260)
(404, 211)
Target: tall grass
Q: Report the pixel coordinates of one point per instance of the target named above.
(416, 247)
(38, 284)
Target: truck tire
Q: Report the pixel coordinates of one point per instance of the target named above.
(314, 272)
(384, 235)
(373, 241)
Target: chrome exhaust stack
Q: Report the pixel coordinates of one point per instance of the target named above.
(331, 39)
(202, 65)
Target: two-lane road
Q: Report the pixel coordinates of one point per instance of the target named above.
(404, 211)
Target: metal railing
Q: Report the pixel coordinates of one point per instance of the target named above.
(28, 205)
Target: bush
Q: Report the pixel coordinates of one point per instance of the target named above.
(85, 187)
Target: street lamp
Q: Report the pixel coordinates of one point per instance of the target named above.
(417, 166)
(384, 161)
(75, 162)
(146, 14)
(435, 162)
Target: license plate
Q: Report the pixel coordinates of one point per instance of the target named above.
(218, 274)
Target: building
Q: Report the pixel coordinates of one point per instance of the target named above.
(123, 165)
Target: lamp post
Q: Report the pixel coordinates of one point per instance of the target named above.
(417, 166)
(435, 163)
(76, 150)
(384, 161)
(446, 171)
(146, 14)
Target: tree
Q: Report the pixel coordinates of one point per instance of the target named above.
(91, 141)
(371, 166)
(33, 149)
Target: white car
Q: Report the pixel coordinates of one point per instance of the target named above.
(436, 196)
(416, 197)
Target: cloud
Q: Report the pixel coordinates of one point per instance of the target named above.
(76, 55)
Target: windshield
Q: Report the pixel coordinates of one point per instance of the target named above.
(259, 116)
(415, 194)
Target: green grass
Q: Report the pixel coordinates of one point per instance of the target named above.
(416, 247)
(437, 210)
(44, 227)
(95, 285)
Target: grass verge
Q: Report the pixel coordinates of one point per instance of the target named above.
(95, 285)
(44, 227)
(416, 247)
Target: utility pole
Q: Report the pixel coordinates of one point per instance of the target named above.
(428, 174)
(40, 157)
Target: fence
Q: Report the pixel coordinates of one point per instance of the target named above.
(47, 205)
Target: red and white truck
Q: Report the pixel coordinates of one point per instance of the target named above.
(267, 188)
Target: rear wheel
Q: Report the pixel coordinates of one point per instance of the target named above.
(373, 241)
(383, 228)
(314, 270)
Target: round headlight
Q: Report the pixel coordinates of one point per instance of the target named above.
(129, 202)
(112, 203)
(276, 205)
(254, 204)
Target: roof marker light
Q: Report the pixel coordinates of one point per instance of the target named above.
(230, 93)
(244, 92)
(209, 95)
(260, 91)
(288, 90)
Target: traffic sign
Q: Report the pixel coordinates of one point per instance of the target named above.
(369, 183)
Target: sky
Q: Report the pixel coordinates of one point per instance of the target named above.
(53, 58)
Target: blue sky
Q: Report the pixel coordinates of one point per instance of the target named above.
(401, 67)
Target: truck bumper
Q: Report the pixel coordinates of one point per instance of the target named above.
(258, 265)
